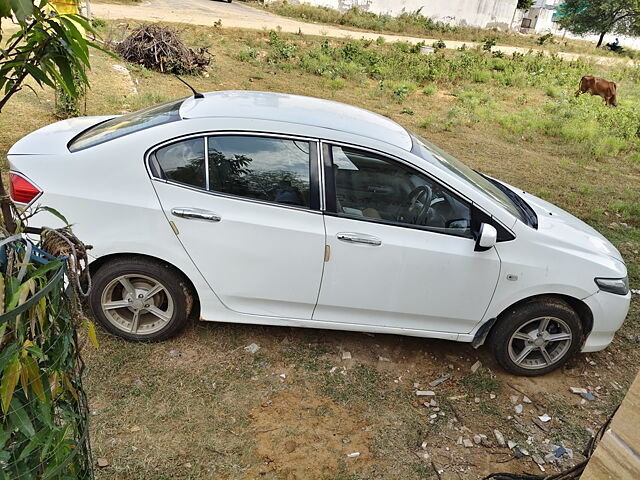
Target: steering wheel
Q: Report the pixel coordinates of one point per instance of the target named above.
(413, 213)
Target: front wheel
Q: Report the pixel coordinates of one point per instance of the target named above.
(536, 337)
(139, 299)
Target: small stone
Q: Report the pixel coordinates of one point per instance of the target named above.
(138, 383)
(346, 440)
(544, 418)
(477, 400)
(492, 396)
(511, 444)
(290, 446)
(253, 348)
(346, 355)
(587, 396)
(459, 442)
(519, 408)
(436, 409)
(477, 439)
(433, 403)
(438, 381)
(174, 353)
(578, 390)
(524, 452)
(499, 438)
(103, 462)
(583, 401)
(283, 375)
(514, 399)
(353, 455)
(383, 359)
(135, 429)
(467, 443)
(526, 399)
(425, 393)
(550, 458)
(570, 453)
(187, 465)
(423, 445)
(518, 453)
(476, 366)
(416, 385)
(434, 415)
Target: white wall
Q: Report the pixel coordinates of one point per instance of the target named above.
(474, 13)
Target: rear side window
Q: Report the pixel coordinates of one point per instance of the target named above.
(184, 162)
(262, 168)
(124, 125)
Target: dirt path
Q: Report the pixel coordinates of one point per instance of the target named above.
(206, 12)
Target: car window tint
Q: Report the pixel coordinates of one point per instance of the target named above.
(126, 124)
(376, 188)
(263, 168)
(183, 162)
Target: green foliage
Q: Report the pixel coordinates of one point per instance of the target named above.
(439, 44)
(488, 43)
(280, 49)
(600, 17)
(47, 47)
(547, 37)
(43, 433)
(524, 4)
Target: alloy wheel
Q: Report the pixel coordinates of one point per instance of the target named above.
(540, 343)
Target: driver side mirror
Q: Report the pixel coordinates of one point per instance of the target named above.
(487, 237)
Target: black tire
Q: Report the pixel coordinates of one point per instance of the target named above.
(529, 317)
(169, 308)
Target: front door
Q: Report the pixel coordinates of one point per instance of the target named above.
(401, 249)
(247, 212)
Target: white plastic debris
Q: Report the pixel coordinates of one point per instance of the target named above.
(476, 366)
(467, 443)
(353, 455)
(578, 390)
(526, 399)
(425, 393)
(253, 348)
(544, 418)
(346, 355)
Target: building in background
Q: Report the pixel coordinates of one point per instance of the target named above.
(541, 17)
(500, 14)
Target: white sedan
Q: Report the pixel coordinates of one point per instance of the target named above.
(273, 209)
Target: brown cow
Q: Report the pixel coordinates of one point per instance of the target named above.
(599, 86)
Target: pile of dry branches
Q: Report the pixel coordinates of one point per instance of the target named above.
(160, 48)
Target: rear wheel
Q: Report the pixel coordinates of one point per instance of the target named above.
(536, 337)
(139, 299)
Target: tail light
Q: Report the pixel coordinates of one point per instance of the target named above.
(22, 190)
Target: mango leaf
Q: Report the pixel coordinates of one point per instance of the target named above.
(70, 387)
(30, 365)
(36, 441)
(21, 8)
(55, 212)
(4, 436)
(18, 418)
(92, 334)
(9, 381)
(1, 292)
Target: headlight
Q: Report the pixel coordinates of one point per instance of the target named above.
(619, 286)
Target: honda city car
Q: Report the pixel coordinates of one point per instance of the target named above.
(275, 209)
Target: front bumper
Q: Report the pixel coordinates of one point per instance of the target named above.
(609, 311)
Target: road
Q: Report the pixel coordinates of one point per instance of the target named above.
(239, 15)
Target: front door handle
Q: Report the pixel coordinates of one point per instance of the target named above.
(197, 213)
(360, 238)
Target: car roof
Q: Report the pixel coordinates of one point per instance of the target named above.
(314, 112)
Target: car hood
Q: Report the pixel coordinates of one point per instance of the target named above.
(566, 229)
(53, 139)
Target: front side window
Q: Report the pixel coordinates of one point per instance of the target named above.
(372, 187)
(261, 168)
(126, 124)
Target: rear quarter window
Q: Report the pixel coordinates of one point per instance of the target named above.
(126, 124)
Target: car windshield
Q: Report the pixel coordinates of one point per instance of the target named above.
(428, 151)
(125, 124)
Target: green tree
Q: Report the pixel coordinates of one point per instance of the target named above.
(600, 17)
(48, 47)
(524, 4)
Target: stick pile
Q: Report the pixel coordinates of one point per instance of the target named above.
(159, 48)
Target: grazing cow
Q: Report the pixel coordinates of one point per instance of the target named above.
(599, 86)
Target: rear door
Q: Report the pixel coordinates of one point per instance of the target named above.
(246, 209)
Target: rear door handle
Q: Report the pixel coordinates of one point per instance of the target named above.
(197, 213)
(359, 238)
